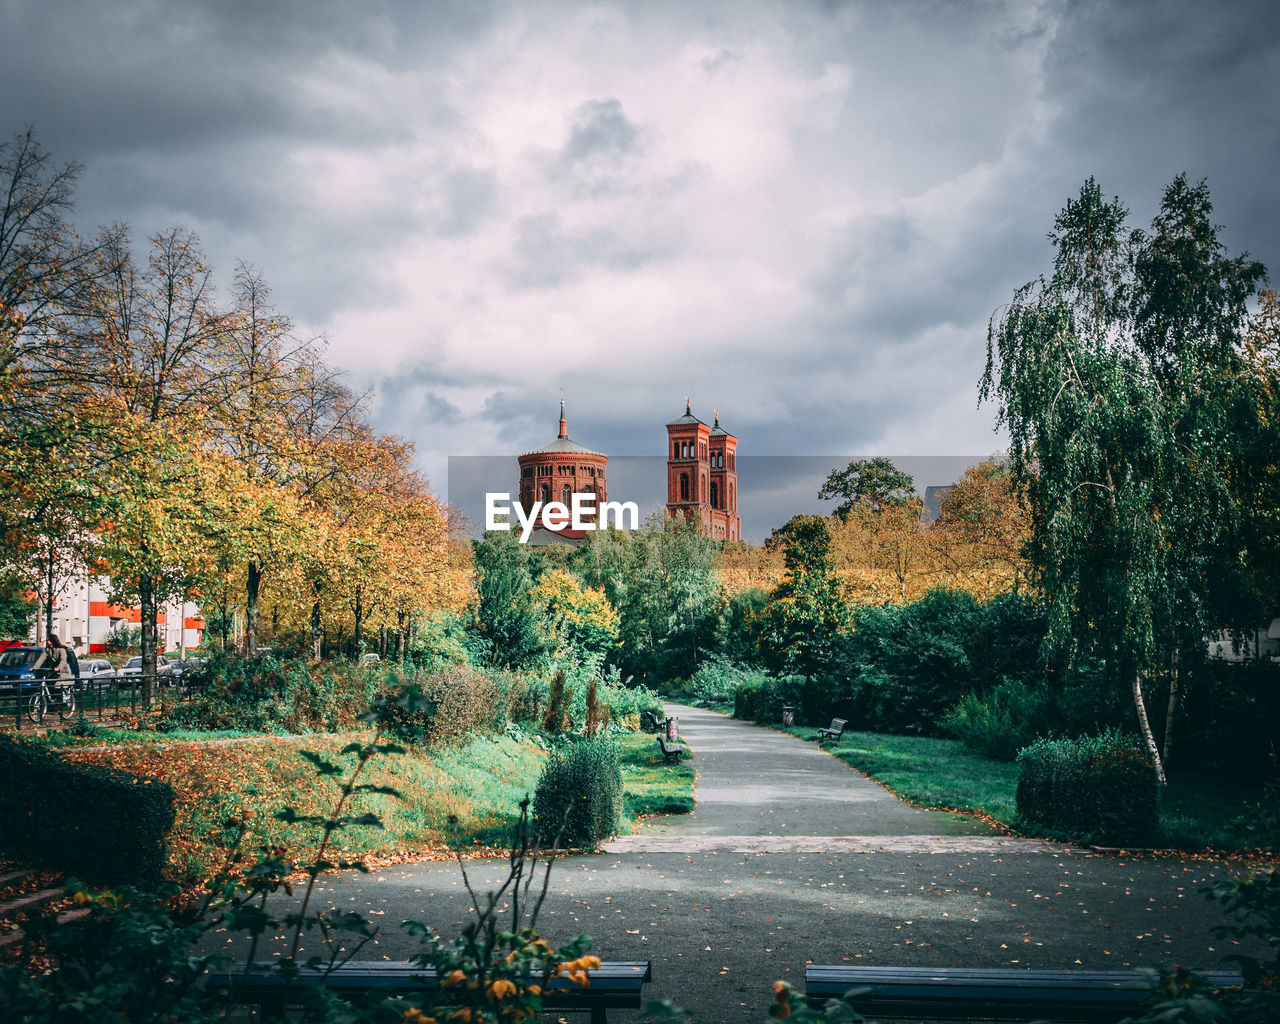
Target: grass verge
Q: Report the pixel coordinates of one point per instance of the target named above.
(649, 785)
(943, 774)
(934, 773)
(481, 782)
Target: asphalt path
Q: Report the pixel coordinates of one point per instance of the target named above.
(792, 857)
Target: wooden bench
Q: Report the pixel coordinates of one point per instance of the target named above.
(614, 985)
(832, 732)
(1001, 993)
(671, 752)
(650, 722)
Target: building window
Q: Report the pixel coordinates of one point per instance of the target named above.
(546, 494)
(567, 495)
(684, 486)
(715, 495)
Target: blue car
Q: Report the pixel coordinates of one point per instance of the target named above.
(16, 676)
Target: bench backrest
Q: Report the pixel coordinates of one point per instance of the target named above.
(838, 724)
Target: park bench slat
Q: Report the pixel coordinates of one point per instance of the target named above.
(614, 984)
(961, 993)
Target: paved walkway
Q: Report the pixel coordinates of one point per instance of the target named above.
(793, 857)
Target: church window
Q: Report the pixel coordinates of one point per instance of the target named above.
(715, 495)
(567, 495)
(684, 486)
(546, 494)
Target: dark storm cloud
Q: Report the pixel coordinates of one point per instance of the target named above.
(802, 213)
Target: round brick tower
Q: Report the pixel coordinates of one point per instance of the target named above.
(560, 469)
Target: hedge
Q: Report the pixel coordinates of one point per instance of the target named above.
(1097, 788)
(100, 824)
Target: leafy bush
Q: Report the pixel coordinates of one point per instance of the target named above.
(98, 823)
(903, 667)
(760, 697)
(123, 638)
(715, 682)
(266, 695)
(1002, 724)
(1101, 788)
(579, 797)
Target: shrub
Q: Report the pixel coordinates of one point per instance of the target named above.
(451, 704)
(579, 797)
(1002, 724)
(267, 695)
(1101, 788)
(100, 824)
(715, 682)
(760, 697)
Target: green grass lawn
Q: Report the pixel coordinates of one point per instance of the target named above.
(649, 785)
(1197, 812)
(930, 772)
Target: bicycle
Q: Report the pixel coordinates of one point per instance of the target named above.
(42, 700)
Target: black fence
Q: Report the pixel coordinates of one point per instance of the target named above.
(33, 703)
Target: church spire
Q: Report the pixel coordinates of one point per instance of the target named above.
(564, 424)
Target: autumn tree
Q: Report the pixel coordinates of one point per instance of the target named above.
(981, 531)
(159, 345)
(581, 619)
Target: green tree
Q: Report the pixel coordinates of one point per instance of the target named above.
(867, 483)
(509, 616)
(662, 580)
(1117, 380)
(797, 631)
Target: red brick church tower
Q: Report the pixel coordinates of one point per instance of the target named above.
(702, 474)
(557, 471)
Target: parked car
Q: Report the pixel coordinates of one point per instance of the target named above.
(95, 670)
(184, 671)
(16, 676)
(369, 659)
(133, 667)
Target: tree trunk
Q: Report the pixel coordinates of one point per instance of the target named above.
(1169, 711)
(1144, 727)
(382, 642)
(48, 598)
(400, 644)
(147, 608)
(358, 638)
(252, 585)
(315, 628)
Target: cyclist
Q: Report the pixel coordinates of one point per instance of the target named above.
(54, 662)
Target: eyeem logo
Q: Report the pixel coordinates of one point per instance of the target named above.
(555, 516)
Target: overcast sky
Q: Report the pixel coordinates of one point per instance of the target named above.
(800, 213)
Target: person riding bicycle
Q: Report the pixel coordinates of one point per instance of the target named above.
(54, 663)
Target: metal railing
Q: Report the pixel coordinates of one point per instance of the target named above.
(101, 699)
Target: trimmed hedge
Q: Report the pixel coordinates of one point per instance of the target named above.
(581, 792)
(100, 824)
(1098, 788)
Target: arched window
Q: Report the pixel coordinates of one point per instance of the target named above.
(684, 486)
(675, 454)
(715, 495)
(567, 495)
(731, 504)
(546, 493)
